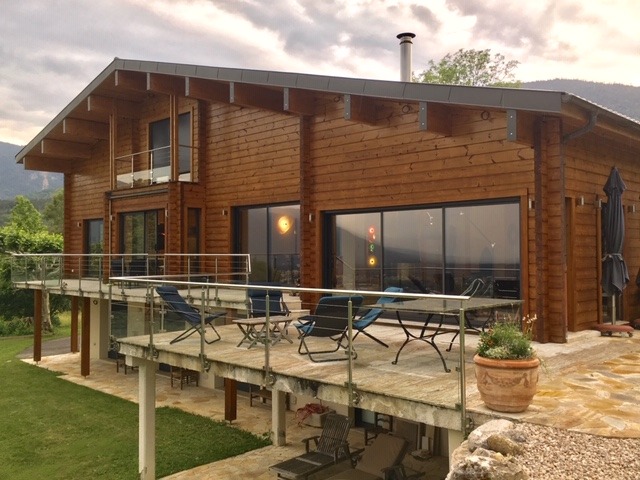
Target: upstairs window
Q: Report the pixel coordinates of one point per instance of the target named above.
(160, 149)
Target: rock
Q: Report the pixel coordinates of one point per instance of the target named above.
(516, 435)
(504, 445)
(478, 438)
(460, 453)
(488, 465)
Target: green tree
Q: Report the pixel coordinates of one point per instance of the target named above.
(26, 233)
(25, 217)
(53, 214)
(473, 68)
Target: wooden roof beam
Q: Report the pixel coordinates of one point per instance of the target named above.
(207, 90)
(255, 96)
(131, 80)
(297, 101)
(360, 109)
(167, 84)
(40, 164)
(436, 118)
(105, 106)
(62, 149)
(76, 127)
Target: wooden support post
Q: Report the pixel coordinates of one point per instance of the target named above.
(74, 325)
(147, 418)
(37, 325)
(278, 419)
(230, 399)
(86, 337)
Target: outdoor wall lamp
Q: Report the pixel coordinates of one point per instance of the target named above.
(532, 203)
(285, 222)
(631, 208)
(580, 201)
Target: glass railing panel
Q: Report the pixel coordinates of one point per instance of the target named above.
(151, 167)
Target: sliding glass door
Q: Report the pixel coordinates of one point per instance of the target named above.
(439, 249)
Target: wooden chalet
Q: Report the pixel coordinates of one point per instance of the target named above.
(350, 183)
(333, 183)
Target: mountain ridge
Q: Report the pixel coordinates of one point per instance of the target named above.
(15, 180)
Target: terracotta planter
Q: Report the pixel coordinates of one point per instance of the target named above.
(507, 385)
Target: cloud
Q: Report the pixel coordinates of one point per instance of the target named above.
(51, 50)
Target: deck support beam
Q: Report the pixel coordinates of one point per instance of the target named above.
(454, 440)
(85, 346)
(278, 419)
(147, 418)
(37, 325)
(230, 399)
(74, 325)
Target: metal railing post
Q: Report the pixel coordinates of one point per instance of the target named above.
(462, 377)
(353, 397)
(267, 345)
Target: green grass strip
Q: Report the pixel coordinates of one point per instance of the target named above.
(54, 429)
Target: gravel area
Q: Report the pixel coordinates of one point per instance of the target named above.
(552, 453)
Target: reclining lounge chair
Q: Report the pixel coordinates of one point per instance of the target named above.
(360, 324)
(258, 303)
(330, 320)
(382, 459)
(331, 447)
(174, 301)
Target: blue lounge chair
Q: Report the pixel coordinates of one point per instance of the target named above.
(330, 320)
(188, 313)
(258, 303)
(360, 324)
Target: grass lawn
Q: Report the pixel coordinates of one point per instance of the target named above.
(55, 429)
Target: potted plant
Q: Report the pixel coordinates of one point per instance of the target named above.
(506, 366)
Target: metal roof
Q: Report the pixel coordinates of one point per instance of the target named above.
(542, 101)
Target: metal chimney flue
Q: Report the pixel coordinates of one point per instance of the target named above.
(406, 42)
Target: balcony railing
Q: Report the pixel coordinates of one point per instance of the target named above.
(93, 271)
(363, 381)
(150, 167)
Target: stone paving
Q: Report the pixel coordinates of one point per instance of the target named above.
(589, 385)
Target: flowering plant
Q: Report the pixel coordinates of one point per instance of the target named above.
(506, 340)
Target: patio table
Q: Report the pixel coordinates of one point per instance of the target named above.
(441, 308)
(255, 331)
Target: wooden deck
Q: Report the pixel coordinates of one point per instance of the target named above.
(417, 388)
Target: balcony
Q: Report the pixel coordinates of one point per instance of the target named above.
(151, 167)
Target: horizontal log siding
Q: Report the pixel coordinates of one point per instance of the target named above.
(588, 163)
(84, 195)
(253, 158)
(361, 166)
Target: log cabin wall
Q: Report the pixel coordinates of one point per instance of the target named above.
(589, 160)
(246, 156)
(394, 164)
(253, 158)
(84, 196)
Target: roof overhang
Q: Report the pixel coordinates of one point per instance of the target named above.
(125, 83)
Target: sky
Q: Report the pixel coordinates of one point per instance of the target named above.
(51, 49)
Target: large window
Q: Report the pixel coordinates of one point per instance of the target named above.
(432, 249)
(160, 147)
(271, 235)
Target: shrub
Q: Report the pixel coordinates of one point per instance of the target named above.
(506, 341)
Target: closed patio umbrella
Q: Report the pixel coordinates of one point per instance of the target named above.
(614, 269)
